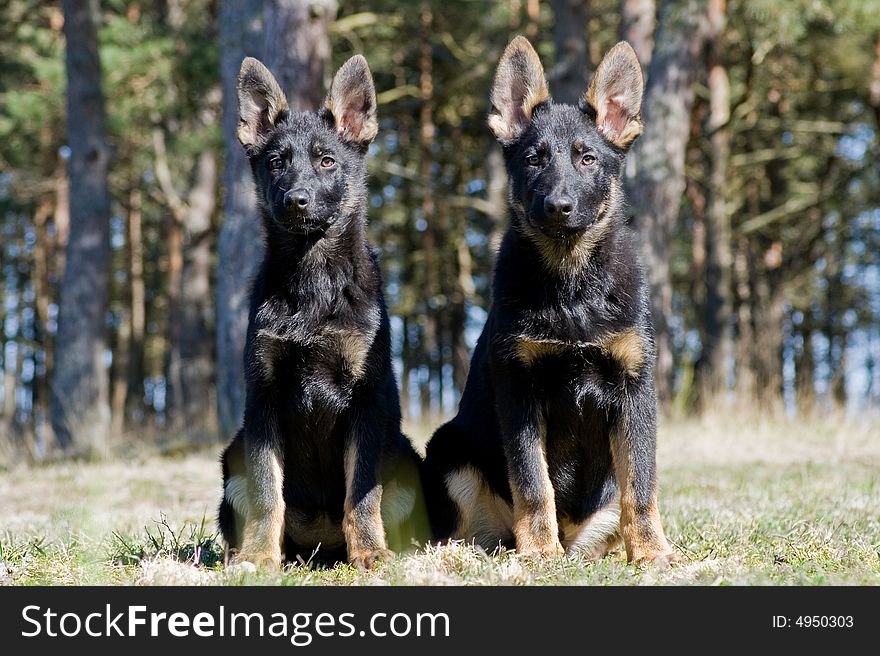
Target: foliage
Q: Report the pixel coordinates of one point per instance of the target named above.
(191, 544)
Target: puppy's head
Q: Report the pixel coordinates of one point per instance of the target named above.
(309, 167)
(564, 162)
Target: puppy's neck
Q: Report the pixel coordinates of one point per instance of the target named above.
(292, 255)
(570, 258)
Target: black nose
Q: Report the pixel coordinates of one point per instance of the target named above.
(558, 205)
(297, 198)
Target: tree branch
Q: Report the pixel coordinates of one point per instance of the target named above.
(163, 176)
(789, 207)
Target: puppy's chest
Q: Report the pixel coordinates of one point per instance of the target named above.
(332, 357)
(553, 354)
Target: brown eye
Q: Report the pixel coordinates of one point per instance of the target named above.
(327, 162)
(532, 160)
(586, 160)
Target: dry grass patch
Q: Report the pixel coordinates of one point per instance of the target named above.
(746, 500)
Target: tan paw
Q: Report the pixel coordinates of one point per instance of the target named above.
(241, 567)
(657, 560)
(367, 559)
(536, 551)
(259, 560)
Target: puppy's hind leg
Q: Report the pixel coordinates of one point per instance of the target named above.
(594, 537)
(233, 505)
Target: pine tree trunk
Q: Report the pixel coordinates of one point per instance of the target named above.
(431, 333)
(174, 366)
(239, 245)
(659, 181)
(570, 73)
(134, 398)
(196, 319)
(637, 18)
(119, 386)
(768, 311)
(805, 366)
(465, 293)
(44, 251)
(717, 345)
(80, 403)
(835, 331)
(297, 48)
(745, 327)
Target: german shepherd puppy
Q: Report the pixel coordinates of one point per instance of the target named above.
(320, 461)
(553, 447)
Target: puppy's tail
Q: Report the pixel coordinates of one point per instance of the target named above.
(404, 512)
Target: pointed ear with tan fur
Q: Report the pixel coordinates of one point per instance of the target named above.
(352, 102)
(615, 95)
(261, 103)
(519, 87)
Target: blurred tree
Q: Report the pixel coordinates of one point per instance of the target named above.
(239, 243)
(80, 403)
(716, 338)
(637, 26)
(570, 74)
(297, 48)
(657, 187)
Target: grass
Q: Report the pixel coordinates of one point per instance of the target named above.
(744, 500)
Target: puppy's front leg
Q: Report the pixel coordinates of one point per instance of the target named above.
(362, 519)
(524, 431)
(264, 524)
(634, 452)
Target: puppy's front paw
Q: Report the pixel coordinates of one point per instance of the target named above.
(242, 567)
(535, 551)
(261, 560)
(369, 559)
(657, 560)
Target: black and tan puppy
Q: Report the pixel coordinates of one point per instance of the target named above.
(320, 460)
(553, 447)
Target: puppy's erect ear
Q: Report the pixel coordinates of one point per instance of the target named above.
(261, 102)
(519, 87)
(352, 102)
(615, 95)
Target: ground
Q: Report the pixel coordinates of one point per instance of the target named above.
(744, 500)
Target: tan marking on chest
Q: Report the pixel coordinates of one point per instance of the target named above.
(348, 346)
(352, 348)
(529, 351)
(626, 348)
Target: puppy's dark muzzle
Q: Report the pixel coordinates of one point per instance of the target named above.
(298, 216)
(559, 220)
